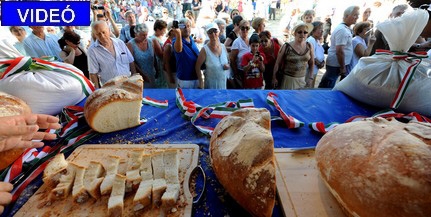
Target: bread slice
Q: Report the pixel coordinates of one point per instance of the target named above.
(171, 163)
(53, 171)
(146, 167)
(133, 170)
(111, 172)
(158, 165)
(116, 201)
(159, 187)
(93, 179)
(65, 185)
(142, 197)
(115, 106)
(79, 193)
(170, 197)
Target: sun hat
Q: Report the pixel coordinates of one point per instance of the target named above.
(308, 26)
(211, 26)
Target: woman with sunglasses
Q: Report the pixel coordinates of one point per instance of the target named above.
(295, 60)
(239, 47)
(72, 53)
(214, 54)
(270, 47)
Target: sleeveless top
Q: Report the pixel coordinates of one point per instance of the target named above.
(295, 64)
(145, 61)
(215, 76)
(81, 63)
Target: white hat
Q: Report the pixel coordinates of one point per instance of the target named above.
(211, 26)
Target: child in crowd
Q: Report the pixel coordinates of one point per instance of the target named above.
(253, 66)
(308, 16)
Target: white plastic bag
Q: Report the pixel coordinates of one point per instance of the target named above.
(47, 91)
(376, 80)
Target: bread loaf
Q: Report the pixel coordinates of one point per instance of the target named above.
(242, 156)
(10, 106)
(115, 106)
(378, 167)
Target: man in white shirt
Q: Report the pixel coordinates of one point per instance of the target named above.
(341, 51)
(40, 44)
(108, 57)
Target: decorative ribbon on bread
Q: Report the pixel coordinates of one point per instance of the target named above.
(414, 59)
(156, 103)
(32, 162)
(21, 64)
(193, 111)
(290, 121)
(324, 128)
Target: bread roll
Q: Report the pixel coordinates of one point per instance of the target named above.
(378, 167)
(10, 106)
(242, 155)
(115, 106)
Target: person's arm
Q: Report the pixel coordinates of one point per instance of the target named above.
(178, 46)
(339, 51)
(5, 195)
(68, 58)
(157, 48)
(228, 43)
(199, 62)
(310, 66)
(20, 131)
(277, 65)
(170, 75)
(95, 79)
(114, 26)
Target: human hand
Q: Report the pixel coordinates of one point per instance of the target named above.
(371, 40)
(274, 82)
(19, 131)
(226, 66)
(5, 196)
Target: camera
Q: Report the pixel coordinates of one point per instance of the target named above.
(98, 7)
(257, 53)
(175, 24)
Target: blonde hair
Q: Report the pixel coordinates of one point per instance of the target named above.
(256, 22)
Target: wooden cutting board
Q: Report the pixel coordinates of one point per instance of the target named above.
(301, 190)
(36, 205)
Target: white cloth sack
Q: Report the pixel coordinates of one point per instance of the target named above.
(375, 80)
(46, 92)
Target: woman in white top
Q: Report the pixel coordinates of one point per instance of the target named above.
(361, 46)
(214, 54)
(316, 36)
(239, 47)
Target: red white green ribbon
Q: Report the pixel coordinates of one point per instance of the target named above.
(193, 111)
(21, 64)
(156, 103)
(324, 128)
(414, 59)
(290, 121)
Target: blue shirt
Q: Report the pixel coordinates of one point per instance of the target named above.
(125, 34)
(186, 60)
(101, 61)
(37, 47)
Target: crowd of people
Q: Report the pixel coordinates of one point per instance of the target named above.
(179, 46)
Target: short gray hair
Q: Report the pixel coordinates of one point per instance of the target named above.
(99, 22)
(184, 21)
(142, 27)
(220, 22)
(349, 10)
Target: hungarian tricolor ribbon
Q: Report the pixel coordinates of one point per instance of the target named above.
(290, 121)
(156, 103)
(414, 59)
(413, 116)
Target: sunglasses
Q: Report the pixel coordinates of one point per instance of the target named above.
(300, 32)
(245, 28)
(211, 31)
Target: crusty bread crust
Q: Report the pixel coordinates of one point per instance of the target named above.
(120, 89)
(378, 167)
(242, 155)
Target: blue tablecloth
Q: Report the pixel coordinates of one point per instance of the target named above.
(165, 125)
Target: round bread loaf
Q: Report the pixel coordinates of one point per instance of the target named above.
(115, 106)
(10, 106)
(242, 156)
(378, 167)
